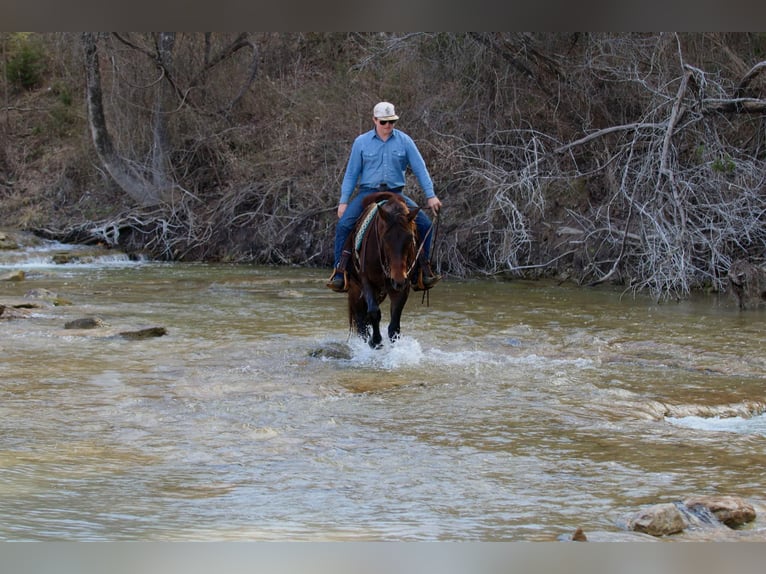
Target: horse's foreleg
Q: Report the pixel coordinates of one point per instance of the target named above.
(398, 300)
(373, 317)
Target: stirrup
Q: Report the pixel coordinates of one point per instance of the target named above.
(420, 285)
(332, 285)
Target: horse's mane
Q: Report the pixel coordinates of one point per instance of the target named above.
(389, 198)
(380, 196)
(391, 203)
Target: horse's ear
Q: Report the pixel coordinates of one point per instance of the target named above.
(413, 213)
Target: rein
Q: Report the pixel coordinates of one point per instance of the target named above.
(434, 225)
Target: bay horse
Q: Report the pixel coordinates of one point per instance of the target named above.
(384, 254)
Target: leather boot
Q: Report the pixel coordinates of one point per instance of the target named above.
(339, 279)
(426, 278)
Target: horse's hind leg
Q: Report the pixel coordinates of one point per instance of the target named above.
(362, 326)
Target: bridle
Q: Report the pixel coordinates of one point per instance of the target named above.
(384, 259)
(376, 221)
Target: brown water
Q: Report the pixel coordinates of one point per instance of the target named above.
(509, 410)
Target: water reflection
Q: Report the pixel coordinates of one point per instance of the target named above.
(508, 411)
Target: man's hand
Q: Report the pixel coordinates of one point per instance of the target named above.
(434, 204)
(342, 209)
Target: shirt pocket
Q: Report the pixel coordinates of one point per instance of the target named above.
(400, 157)
(370, 158)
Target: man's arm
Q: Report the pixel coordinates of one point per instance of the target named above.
(353, 171)
(418, 166)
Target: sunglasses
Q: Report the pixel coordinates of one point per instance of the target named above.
(384, 122)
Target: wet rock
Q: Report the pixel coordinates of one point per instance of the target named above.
(332, 351)
(7, 242)
(658, 520)
(579, 535)
(13, 276)
(63, 257)
(146, 333)
(732, 511)
(84, 323)
(17, 303)
(8, 312)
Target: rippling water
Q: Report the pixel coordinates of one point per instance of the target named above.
(508, 411)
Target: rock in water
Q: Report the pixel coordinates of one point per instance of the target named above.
(658, 520)
(332, 351)
(146, 333)
(579, 535)
(732, 511)
(13, 276)
(84, 323)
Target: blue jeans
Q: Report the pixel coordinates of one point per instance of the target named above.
(347, 222)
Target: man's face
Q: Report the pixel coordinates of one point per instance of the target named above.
(384, 127)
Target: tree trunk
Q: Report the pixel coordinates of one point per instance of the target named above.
(130, 181)
(160, 163)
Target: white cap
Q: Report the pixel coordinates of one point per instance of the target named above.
(384, 111)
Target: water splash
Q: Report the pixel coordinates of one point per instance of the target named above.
(741, 425)
(48, 254)
(404, 352)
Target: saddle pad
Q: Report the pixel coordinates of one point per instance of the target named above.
(365, 224)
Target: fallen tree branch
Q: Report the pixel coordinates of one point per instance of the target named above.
(734, 106)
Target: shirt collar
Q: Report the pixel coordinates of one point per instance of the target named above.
(375, 135)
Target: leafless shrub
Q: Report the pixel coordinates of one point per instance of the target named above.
(634, 159)
(678, 197)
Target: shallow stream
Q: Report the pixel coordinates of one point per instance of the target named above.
(509, 411)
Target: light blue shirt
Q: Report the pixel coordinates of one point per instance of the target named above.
(374, 161)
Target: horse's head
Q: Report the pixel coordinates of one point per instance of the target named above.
(398, 240)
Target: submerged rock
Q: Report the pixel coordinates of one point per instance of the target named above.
(332, 351)
(289, 294)
(146, 333)
(64, 257)
(87, 328)
(46, 295)
(7, 242)
(84, 323)
(13, 276)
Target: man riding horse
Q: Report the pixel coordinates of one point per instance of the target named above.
(378, 161)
